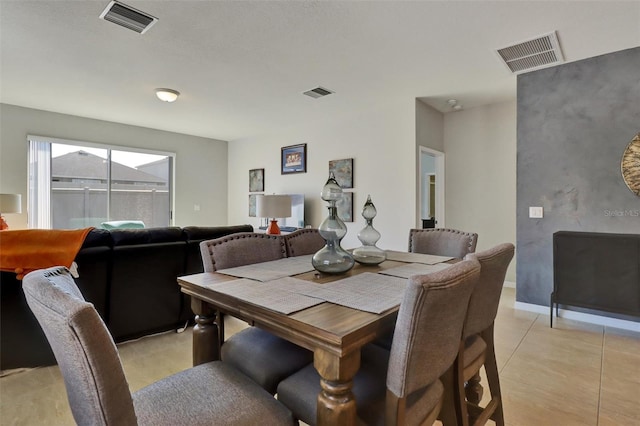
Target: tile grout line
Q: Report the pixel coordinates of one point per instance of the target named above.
(519, 343)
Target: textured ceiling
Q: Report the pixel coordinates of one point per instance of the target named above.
(242, 66)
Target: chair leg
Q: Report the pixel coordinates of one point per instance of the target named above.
(491, 368)
(453, 411)
(220, 322)
(461, 404)
(448, 412)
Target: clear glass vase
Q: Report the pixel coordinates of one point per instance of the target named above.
(368, 253)
(332, 258)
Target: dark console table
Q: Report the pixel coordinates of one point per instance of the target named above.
(597, 271)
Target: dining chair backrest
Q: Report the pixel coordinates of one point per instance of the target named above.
(483, 305)
(257, 353)
(428, 331)
(303, 241)
(97, 389)
(96, 386)
(241, 249)
(442, 242)
(477, 349)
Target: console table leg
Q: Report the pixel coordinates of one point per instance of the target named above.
(551, 310)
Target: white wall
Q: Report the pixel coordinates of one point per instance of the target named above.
(429, 127)
(380, 140)
(201, 164)
(429, 134)
(480, 147)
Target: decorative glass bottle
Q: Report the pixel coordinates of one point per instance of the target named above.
(332, 258)
(368, 253)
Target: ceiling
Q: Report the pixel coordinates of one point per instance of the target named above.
(241, 66)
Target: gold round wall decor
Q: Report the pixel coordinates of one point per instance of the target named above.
(630, 165)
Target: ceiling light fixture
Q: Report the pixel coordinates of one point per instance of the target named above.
(167, 95)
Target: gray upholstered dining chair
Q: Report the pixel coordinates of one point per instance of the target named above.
(442, 242)
(303, 241)
(239, 249)
(436, 241)
(477, 348)
(97, 389)
(402, 386)
(262, 356)
(233, 250)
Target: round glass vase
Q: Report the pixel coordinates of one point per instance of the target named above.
(332, 258)
(368, 253)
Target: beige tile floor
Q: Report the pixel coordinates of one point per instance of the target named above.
(573, 374)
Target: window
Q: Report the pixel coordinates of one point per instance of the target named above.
(76, 185)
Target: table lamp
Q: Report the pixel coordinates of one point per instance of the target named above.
(272, 207)
(9, 203)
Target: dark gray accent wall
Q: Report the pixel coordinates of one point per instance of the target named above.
(574, 123)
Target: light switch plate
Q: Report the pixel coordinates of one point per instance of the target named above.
(536, 212)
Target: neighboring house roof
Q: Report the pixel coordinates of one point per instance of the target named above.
(159, 168)
(83, 165)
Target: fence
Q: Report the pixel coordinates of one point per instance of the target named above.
(82, 207)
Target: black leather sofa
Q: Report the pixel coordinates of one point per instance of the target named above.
(130, 277)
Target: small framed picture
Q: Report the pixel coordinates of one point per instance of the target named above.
(252, 205)
(343, 171)
(256, 180)
(345, 207)
(294, 159)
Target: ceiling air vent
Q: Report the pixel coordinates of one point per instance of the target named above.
(128, 17)
(318, 92)
(532, 54)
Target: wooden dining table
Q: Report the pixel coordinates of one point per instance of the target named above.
(334, 333)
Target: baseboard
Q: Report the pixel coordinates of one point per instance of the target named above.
(580, 316)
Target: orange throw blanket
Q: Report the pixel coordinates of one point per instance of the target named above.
(26, 250)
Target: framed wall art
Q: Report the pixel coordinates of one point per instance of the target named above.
(630, 165)
(294, 159)
(342, 171)
(252, 205)
(345, 207)
(256, 180)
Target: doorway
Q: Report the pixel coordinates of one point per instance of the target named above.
(431, 188)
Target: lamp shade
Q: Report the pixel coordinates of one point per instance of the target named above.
(273, 206)
(10, 203)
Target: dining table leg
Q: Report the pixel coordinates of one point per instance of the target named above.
(206, 341)
(336, 403)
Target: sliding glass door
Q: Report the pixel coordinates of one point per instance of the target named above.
(75, 186)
